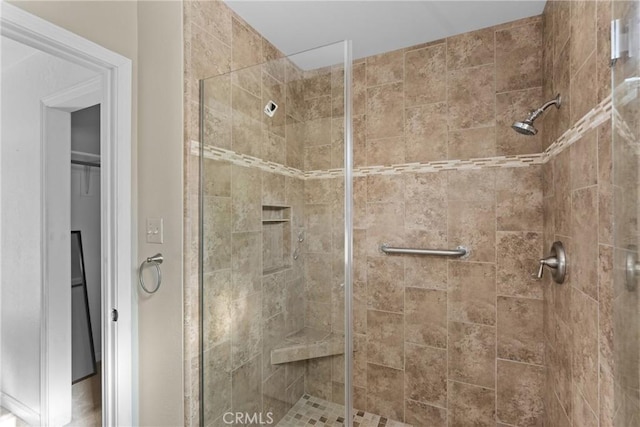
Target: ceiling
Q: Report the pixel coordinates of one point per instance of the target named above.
(374, 26)
(14, 52)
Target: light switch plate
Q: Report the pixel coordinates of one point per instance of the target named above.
(154, 230)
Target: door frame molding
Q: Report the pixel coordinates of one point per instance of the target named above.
(118, 241)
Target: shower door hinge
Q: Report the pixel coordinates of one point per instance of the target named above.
(619, 40)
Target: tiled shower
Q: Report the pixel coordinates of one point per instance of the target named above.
(436, 342)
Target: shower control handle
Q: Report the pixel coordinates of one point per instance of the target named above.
(556, 262)
(551, 262)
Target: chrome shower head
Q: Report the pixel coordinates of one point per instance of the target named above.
(526, 127)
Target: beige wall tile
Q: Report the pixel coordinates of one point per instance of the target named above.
(274, 291)
(246, 126)
(585, 346)
(273, 333)
(274, 397)
(217, 380)
(425, 377)
(520, 330)
(562, 183)
(425, 201)
(246, 387)
(472, 143)
(421, 414)
(318, 378)
(359, 93)
(471, 97)
(358, 126)
(583, 32)
(472, 293)
(317, 157)
(381, 188)
(217, 308)
(385, 111)
(317, 278)
(476, 185)
(246, 331)
(246, 46)
(425, 75)
(471, 49)
(385, 283)
(273, 189)
(209, 56)
(584, 164)
(471, 405)
(519, 57)
(385, 68)
(360, 361)
(426, 133)
(213, 16)
(385, 391)
(518, 256)
(519, 393)
(519, 199)
(472, 353)
(426, 272)
(386, 151)
(317, 83)
(603, 48)
(216, 226)
(426, 317)
(583, 89)
(472, 224)
(585, 254)
(583, 415)
(515, 106)
(246, 268)
(385, 333)
(246, 187)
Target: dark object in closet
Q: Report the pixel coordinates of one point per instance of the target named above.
(83, 356)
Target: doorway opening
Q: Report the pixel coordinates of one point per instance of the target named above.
(67, 315)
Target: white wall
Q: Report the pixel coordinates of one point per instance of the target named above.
(23, 86)
(85, 216)
(160, 188)
(155, 30)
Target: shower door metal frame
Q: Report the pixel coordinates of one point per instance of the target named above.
(348, 236)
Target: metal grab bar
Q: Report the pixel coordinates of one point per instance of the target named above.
(458, 252)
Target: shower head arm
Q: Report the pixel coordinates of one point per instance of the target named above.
(536, 113)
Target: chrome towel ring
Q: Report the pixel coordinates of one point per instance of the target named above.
(155, 260)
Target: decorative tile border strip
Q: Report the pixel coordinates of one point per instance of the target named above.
(437, 166)
(594, 118)
(216, 153)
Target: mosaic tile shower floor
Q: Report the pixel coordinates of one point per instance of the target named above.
(311, 410)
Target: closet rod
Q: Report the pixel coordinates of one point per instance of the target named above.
(83, 163)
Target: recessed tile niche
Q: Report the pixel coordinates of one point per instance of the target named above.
(276, 238)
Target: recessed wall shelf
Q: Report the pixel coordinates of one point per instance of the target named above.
(276, 238)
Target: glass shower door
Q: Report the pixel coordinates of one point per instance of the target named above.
(625, 156)
(275, 240)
